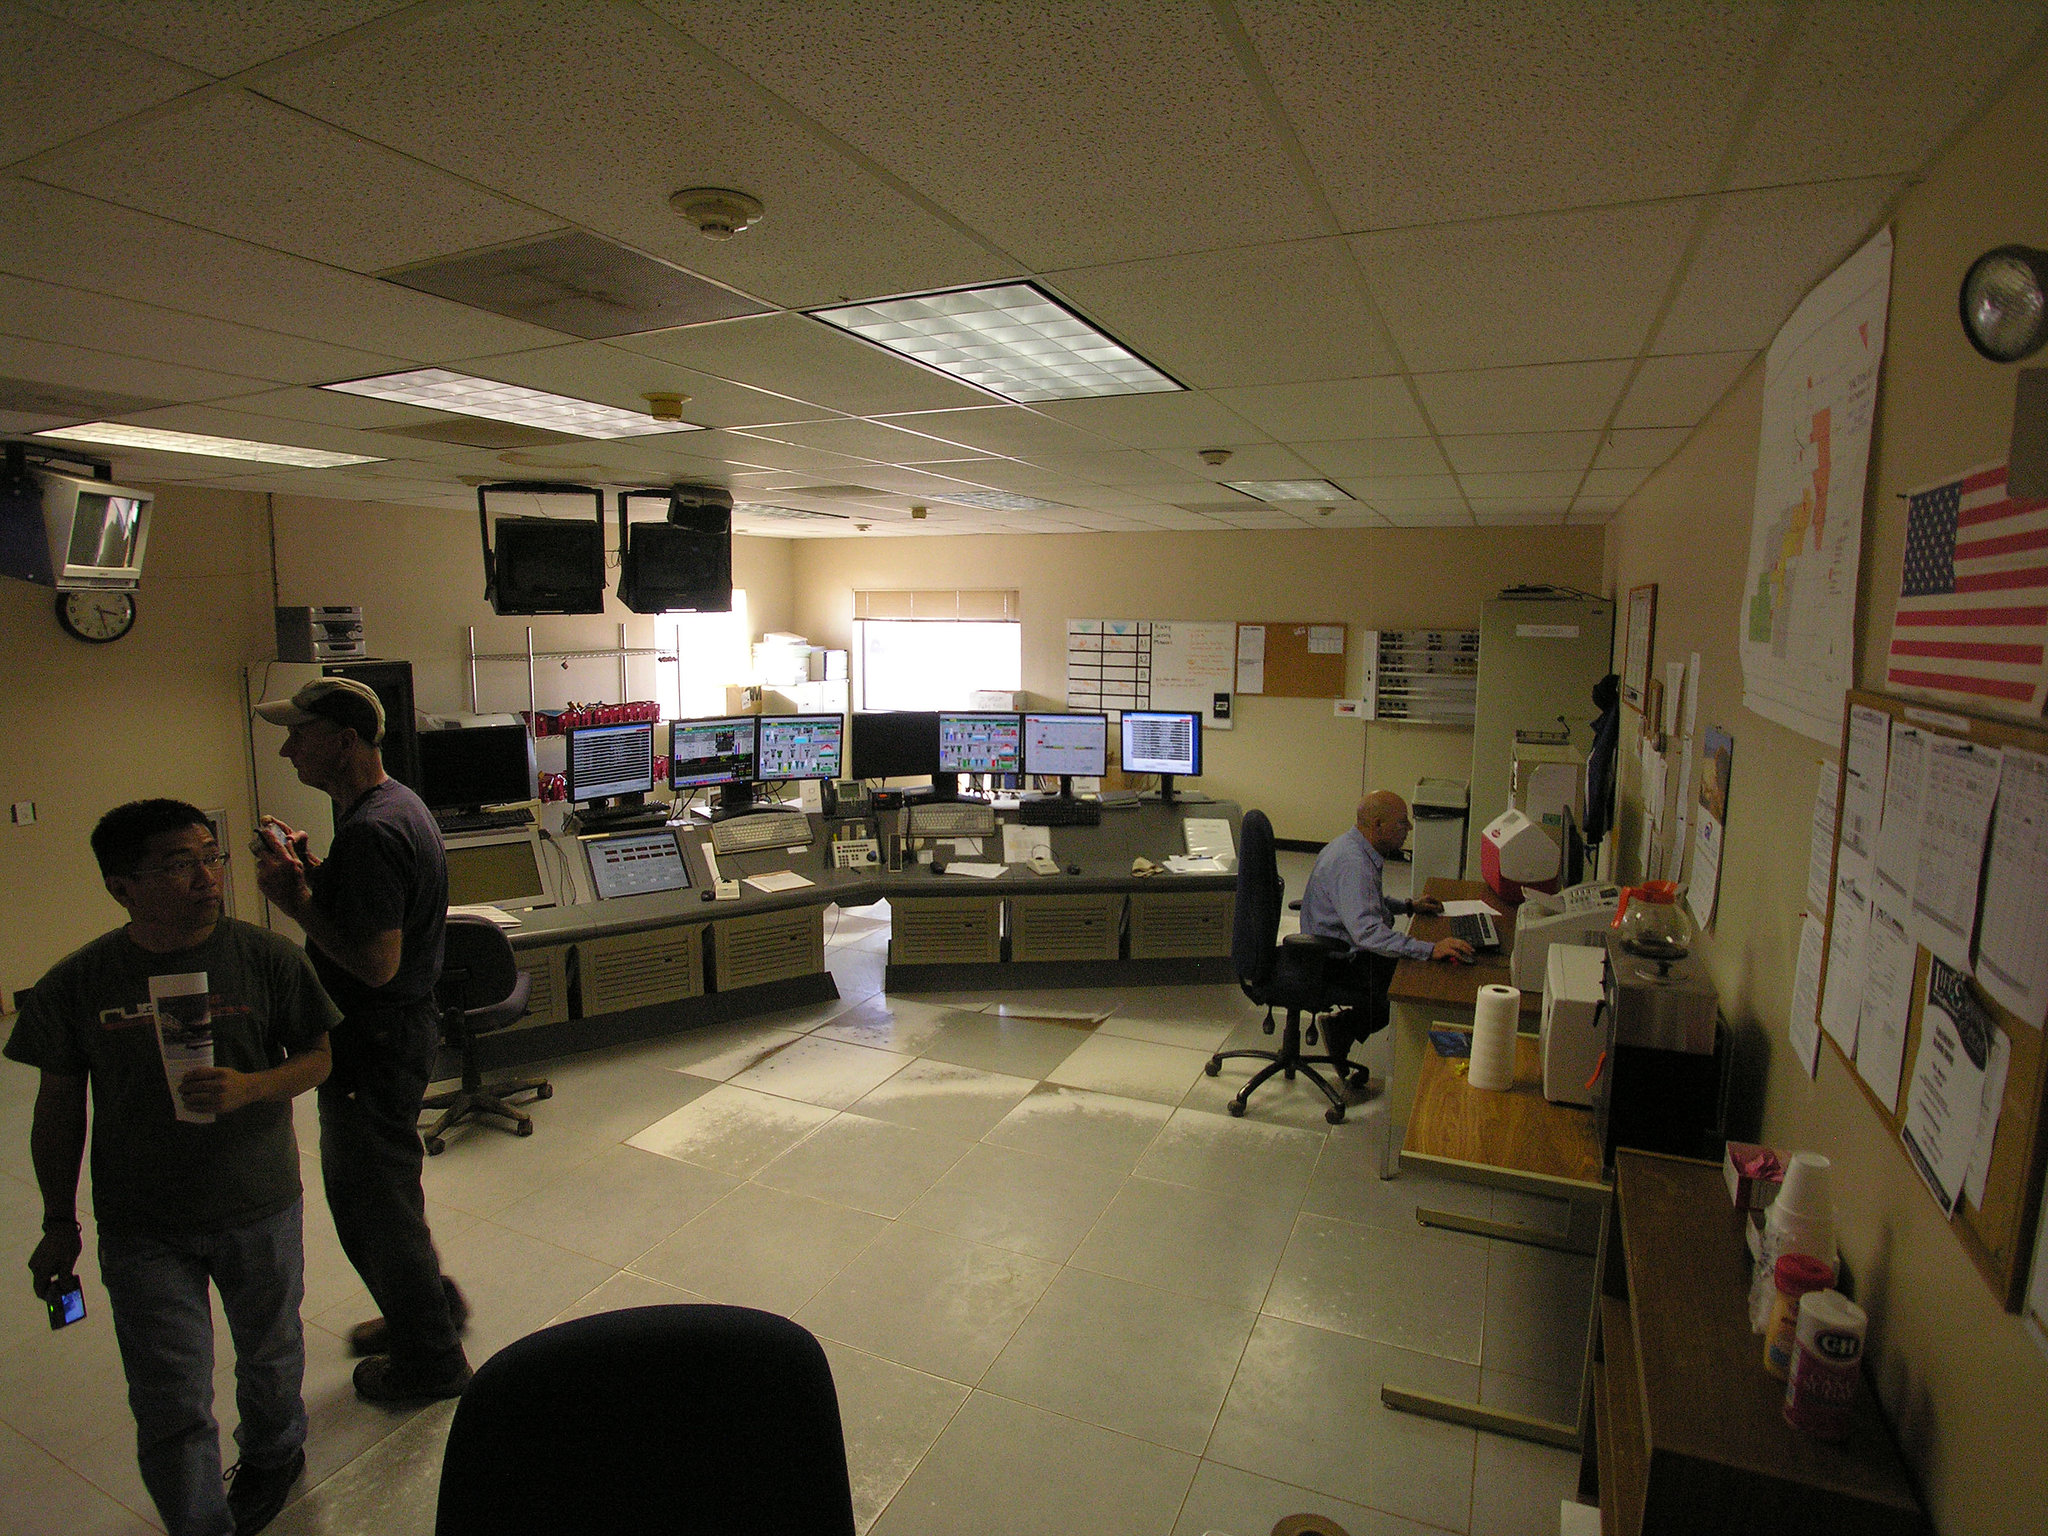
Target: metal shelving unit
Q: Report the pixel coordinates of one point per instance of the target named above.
(1422, 676)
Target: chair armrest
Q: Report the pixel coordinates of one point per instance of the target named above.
(1315, 941)
(1294, 906)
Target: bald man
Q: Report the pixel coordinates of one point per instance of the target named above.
(1344, 901)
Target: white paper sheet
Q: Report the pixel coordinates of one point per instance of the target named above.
(1021, 844)
(1251, 676)
(1962, 783)
(1470, 909)
(1692, 694)
(1705, 884)
(777, 880)
(1820, 856)
(1674, 695)
(1841, 1003)
(2012, 941)
(1194, 864)
(977, 871)
(1898, 836)
(1863, 793)
(1987, 1118)
(483, 909)
(1946, 1100)
(1326, 639)
(1207, 837)
(1804, 1027)
(1656, 778)
(1888, 956)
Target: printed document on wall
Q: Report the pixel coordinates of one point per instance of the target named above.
(1946, 1102)
(1797, 619)
(1955, 810)
(1889, 954)
(2012, 940)
(1804, 1027)
(1820, 853)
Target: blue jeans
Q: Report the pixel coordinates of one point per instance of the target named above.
(163, 1321)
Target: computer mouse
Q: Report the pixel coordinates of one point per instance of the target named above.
(937, 867)
(1073, 869)
(705, 895)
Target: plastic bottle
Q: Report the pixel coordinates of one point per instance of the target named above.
(1821, 1394)
(1800, 1220)
(1795, 1274)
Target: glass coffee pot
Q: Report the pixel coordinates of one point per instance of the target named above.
(1652, 921)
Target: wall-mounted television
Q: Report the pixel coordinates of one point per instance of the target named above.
(72, 533)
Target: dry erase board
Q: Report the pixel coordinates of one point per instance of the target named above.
(1291, 661)
(1998, 1230)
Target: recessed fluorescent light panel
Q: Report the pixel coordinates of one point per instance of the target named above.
(1289, 490)
(121, 435)
(437, 389)
(1014, 340)
(997, 501)
(775, 513)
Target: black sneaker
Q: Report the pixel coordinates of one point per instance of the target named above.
(380, 1379)
(256, 1494)
(374, 1337)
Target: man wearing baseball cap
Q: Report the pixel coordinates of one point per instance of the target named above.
(373, 911)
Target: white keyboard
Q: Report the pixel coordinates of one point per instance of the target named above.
(762, 829)
(958, 818)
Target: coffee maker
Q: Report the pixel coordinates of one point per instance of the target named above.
(1660, 1088)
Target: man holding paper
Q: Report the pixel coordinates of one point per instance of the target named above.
(194, 1033)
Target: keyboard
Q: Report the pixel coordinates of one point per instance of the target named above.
(761, 829)
(1059, 813)
(953, 818)
(1476, 929)
(483, 821)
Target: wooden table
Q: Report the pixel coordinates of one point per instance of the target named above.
(1514, 1139)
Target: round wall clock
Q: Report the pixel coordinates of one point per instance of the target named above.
(98, 618)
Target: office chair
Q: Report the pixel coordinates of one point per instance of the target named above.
(1297, 975)
(480, 990)
(681, 1419)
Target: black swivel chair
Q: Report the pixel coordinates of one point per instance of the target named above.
(682, 1419)
(480, 990)
(1299, 975)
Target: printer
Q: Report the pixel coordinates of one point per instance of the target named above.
(1580, 915)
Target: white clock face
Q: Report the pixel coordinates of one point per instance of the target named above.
(98, 616)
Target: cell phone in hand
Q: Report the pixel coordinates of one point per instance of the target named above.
(67, 1303)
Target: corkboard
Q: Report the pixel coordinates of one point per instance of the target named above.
(1293, 671)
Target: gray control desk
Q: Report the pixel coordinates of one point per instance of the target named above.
(644, 965)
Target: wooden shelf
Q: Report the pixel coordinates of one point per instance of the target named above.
(1618, 1417)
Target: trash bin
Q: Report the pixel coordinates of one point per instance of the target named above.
(1438, 809)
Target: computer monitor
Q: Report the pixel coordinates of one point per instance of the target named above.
(611, 764)
(720, 751)
(1165, 742)
(980, 742)
(472, 766)
(502, 869)
(1069, 745)
(799, 747)
(636, 864)
(895, 744)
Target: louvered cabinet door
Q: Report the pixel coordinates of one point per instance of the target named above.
(770, 946)
(548, 1003)
(633, 970)
(1176, 925)
(945, 930)
(1065, 927)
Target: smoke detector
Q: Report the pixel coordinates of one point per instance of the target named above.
(917, 512)
(665, 407)
(1215, 458)
(861, 527)
(718, 212)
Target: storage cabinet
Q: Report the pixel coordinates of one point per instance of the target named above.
(944, 930)
(548, 1003)
(1066, 927)
(769, 946)
(1176, 925)
(634, 970)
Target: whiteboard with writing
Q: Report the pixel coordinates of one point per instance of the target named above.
(1191, 664)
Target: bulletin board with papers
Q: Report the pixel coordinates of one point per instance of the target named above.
(1933, 969)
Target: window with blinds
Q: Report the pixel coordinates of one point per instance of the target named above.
(935, 649)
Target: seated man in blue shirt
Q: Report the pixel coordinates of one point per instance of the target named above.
(1344, 901)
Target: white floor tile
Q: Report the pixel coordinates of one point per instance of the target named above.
(867, 1165)
(939, 1096)
(1085, 1127)
(1137, 1069)
(890, 1415)
(1022, 1201)
(1233, 1156)
(616, 1206)
(1417, 1289)
(1221, 1247)
(732, 1130)
(818, 1071)
(760, 1247)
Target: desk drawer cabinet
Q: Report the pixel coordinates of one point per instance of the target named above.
(770, 946)
(548, 1003)
(1171, 925)
(1065, 927)
(944, 930)
(632, 970)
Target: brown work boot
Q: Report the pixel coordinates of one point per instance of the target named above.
(374, 1337)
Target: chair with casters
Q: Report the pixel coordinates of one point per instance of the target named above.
(684, 1419)
(481, 990)
(1300, 975)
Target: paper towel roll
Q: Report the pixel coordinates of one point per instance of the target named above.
(1494, 1017)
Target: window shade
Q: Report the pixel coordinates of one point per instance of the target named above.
(965, 603)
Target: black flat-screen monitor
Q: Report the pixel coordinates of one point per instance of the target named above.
(611, 762)
(1165, 742)
(1073, 746)
(978, 742)
(895, 744)
(474, 766)
(799, 747)
(547, 565)
(718, 749)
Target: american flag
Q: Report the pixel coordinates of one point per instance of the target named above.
(1972, 618)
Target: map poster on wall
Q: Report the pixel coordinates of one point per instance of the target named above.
(1797, 625)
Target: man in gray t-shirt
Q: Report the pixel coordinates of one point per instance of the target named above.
(195, 1177)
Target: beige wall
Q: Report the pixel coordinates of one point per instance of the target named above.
(1966, 1389)
(1290, 757)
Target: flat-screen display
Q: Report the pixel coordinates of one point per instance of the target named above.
(503, 871)
(1075, 746)
(715, 750)
(610, 760)
(977, 743)
(799, 747)
(636, 864)
(548, 565)
(1159, 741)
(476, 765)
(895, 744)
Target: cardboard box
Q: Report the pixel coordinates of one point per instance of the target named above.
(1753, 1173)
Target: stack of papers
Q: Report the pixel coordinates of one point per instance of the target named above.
(977, 871)
(777, 880)
(1195, 864)
(497, 915)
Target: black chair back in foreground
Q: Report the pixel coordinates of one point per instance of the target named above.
(481, 989)
(680, 1419)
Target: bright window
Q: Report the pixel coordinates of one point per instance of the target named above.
(937, 663)
(711, 651)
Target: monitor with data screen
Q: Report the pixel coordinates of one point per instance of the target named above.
(636, 864)
(799, 747)
(611, 762)
(717, 750)
(978, 743)
(1161, 741)
(1072, 746)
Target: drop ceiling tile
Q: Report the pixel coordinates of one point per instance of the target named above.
(1871, 86)
(1643, 448)
(599, 112)
(1612, 482)
(1679, 391)
(797, 356)
(46, 312)
(221, 36)
(1378, 457)
(1517, 517)
(918, 484)
(1156, 421)
(1271, 314)
(1589, 517)
(1546, 483)
(613, 375)
(1507, 453)
(1252, 461)
(867, 440)
(1559, 397)
(1596, 508)
(1259, 517)
(1328, 409)
(1350, 515)
(1760, 254)
(1428, 514)
(762, 453)
(246, 167)
(1584, 284)
(1179, 519)
(59, 237)
(1385, 490)
(1014, 430)
(80, 367)
(70, 404)
(1562, 105)
(1134, 115)
(47, 61)
(231, 421)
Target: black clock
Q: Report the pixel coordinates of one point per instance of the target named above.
(97, 618)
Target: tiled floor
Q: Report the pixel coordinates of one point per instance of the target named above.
(1160, 1319)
